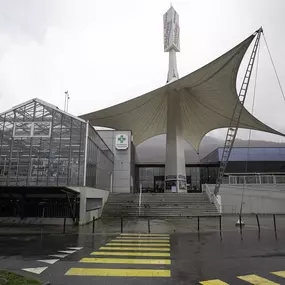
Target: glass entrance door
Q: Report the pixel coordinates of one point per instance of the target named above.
(193, 186)
(158, 184)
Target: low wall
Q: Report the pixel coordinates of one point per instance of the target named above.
(100, 197)
(258, 199)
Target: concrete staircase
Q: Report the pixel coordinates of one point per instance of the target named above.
(159, 205)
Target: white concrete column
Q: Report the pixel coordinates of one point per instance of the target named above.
(82, 209)
(175, 171)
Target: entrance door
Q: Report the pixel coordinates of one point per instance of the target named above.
(192, 186)
(158, 184)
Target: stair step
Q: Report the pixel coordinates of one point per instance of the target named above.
(160, 205)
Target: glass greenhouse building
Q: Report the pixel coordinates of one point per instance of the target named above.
(41, 145)
(46, 157)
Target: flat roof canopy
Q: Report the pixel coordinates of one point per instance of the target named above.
(207, 98)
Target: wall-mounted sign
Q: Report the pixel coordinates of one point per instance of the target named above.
(122, 141)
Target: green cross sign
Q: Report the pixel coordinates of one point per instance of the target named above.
(121, 139)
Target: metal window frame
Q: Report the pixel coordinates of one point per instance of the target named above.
(32, 130)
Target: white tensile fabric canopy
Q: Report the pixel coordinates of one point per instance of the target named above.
(207, 98)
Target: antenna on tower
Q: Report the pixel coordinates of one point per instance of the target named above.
(66, 101)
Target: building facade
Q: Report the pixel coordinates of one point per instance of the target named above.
(54, 164)
(251, 160)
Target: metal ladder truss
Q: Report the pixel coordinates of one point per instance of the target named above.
(235, 120)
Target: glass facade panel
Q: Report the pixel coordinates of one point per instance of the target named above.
(100, 162)
(41, 129)
(23, 130)
(152, 178)
(193, 178)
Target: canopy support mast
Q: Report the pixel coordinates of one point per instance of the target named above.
(175, 171)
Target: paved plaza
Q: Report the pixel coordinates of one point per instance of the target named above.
(174, 252)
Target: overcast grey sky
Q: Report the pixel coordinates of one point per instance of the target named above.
(105, 52)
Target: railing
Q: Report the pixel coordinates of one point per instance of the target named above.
(215, 199)
(254, 179)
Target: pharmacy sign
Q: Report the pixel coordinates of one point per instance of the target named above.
(122, 141)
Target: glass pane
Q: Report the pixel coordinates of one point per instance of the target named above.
(23, 129)
(42, 129)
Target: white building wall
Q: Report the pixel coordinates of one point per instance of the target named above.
(122, 180)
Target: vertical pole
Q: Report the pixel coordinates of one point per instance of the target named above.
(85, 154)
(257, 220)
(140, 199)
(64, 225)
(121, 224)
(148, 225)
(64, 102)
(93, 226)
(274, 220)
(198, 224)
(111, 183)
(240, 225)
(220, 219)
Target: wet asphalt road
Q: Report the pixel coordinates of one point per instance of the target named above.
(194, 257)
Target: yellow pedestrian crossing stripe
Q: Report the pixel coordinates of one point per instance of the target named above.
(251, 279)
(155, 248)
(144, 238)
(141, 240)
(118, 272)
(257, 280)
(139, 244)
(213, 282)
(146, 254)
(136, 248)
(126, 260)
(146, 235)
(279, 273)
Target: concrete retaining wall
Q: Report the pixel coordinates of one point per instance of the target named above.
(87, 192)
(258, 199)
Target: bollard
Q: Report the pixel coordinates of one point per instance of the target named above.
(274, 220)
(121, 224)
(148, 224)
(240, 224)
(220, 218)
(93, 226)
(64, 225)
(257, 219)
(198, 224)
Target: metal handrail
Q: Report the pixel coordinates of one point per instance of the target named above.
(213, 198)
